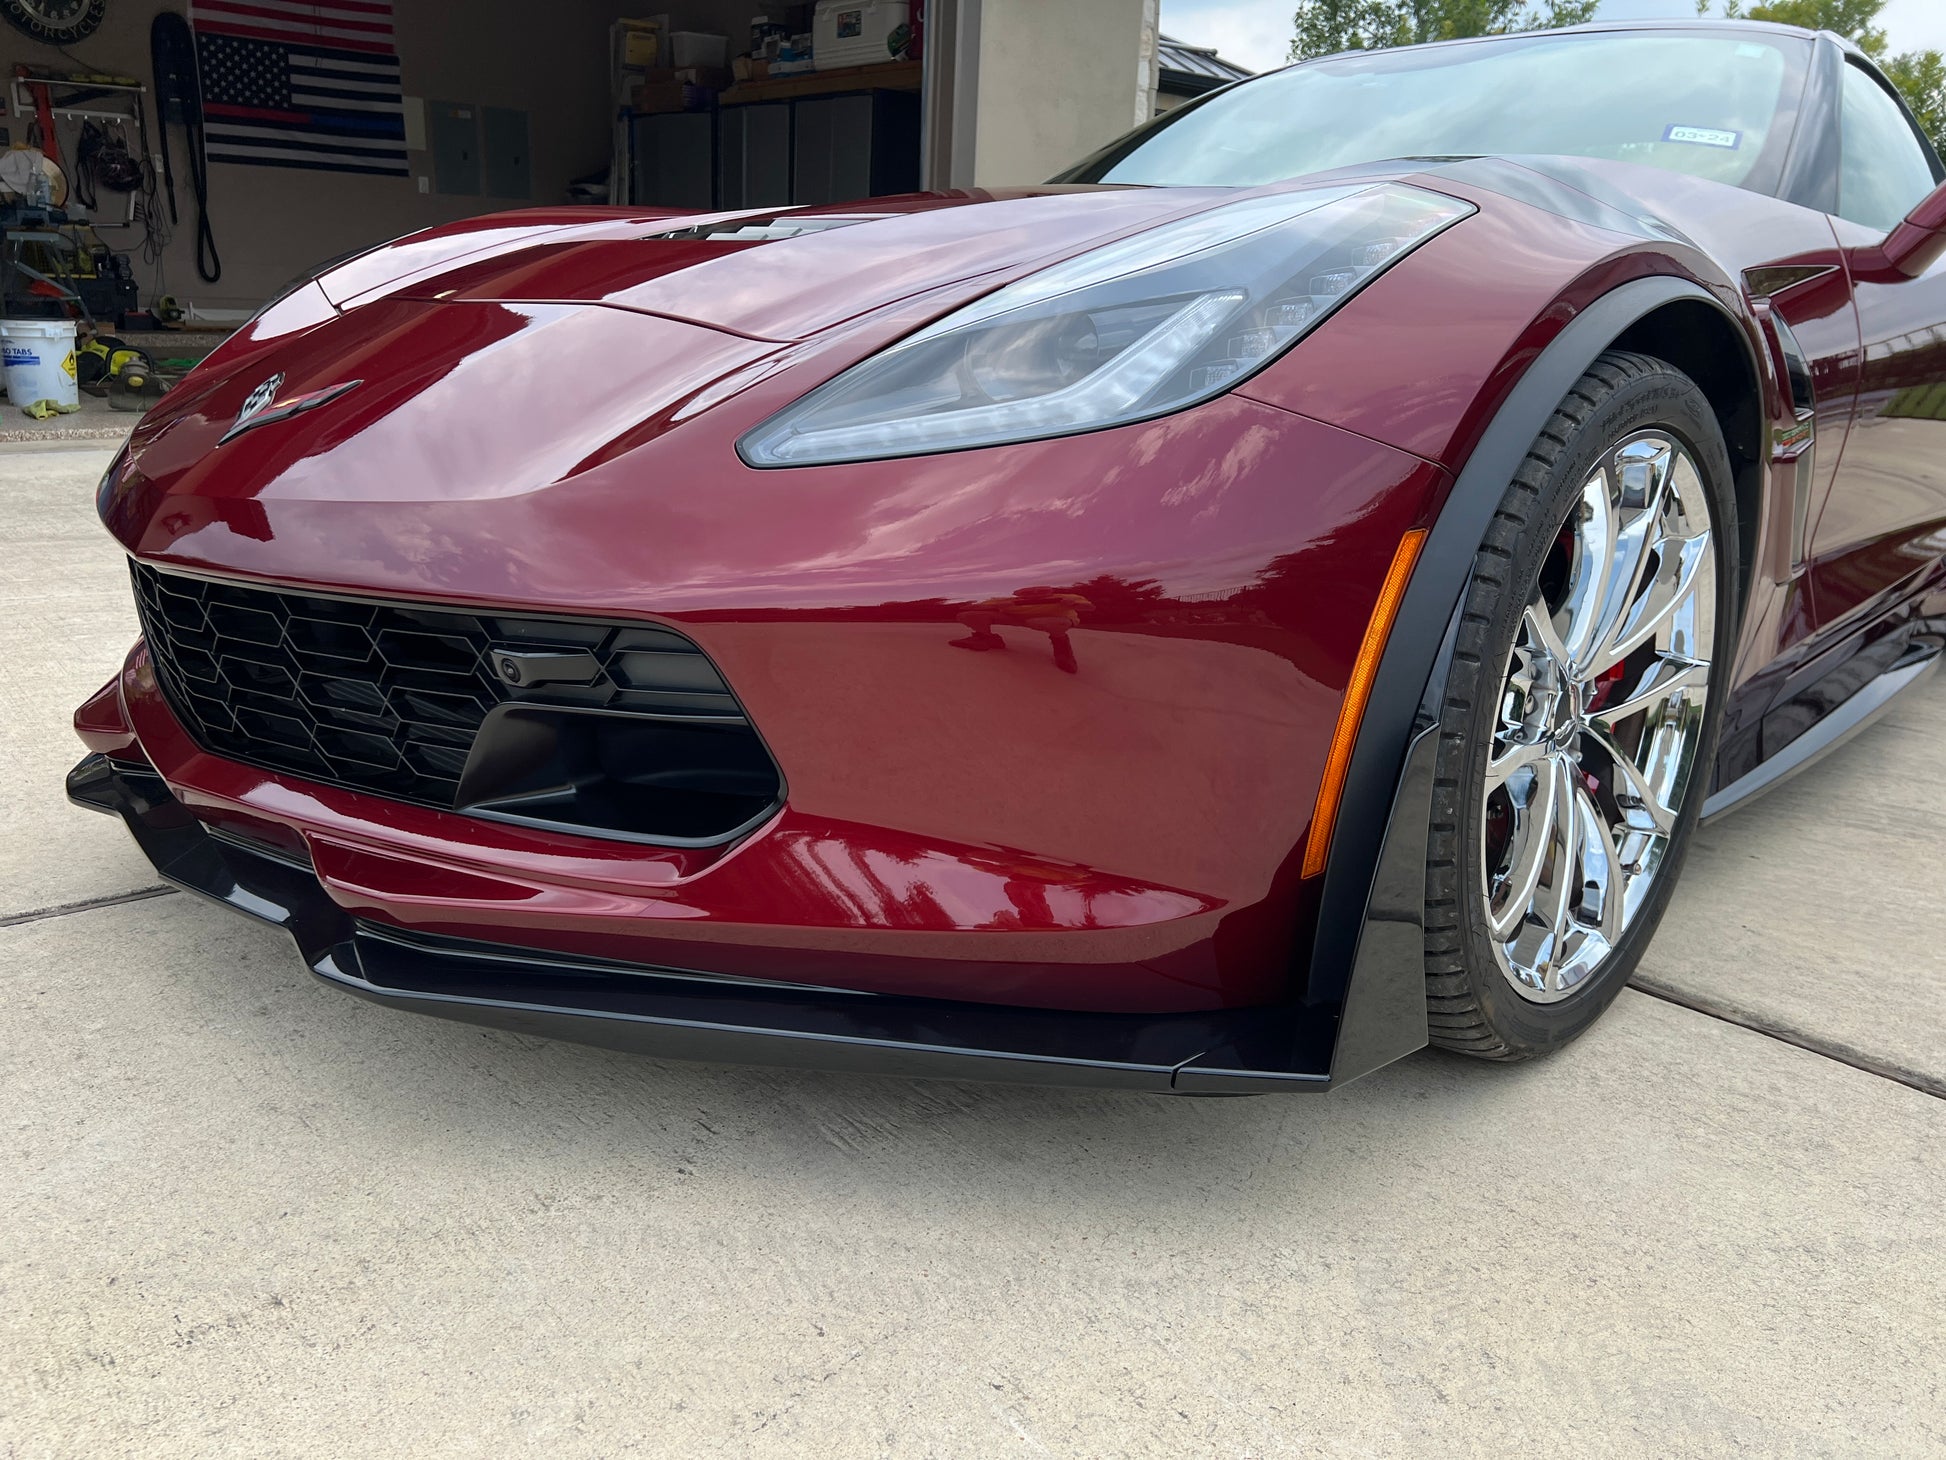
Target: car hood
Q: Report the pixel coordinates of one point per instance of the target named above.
(774, 274)
(494, 357)
(481, 384)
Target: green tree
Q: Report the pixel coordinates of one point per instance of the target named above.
(1851, 18)
(1919, 75)
(1325, 26)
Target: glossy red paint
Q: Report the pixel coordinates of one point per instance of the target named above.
(591, 256)
(1909, 250)
(102, 725)
(1480, 302)
(1107, 814)
(1427, 354)
(1119, 837)
(419, 254)
(461, 403)
(1871, 541)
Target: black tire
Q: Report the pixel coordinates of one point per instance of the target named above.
(1472, 1005)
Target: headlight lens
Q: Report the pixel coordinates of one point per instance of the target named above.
(1136, 329)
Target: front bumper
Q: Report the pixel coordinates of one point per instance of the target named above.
(677, 1014)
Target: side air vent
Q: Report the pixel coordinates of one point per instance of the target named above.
(621, 730)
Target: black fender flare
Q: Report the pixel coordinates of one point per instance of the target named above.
(1367, 955)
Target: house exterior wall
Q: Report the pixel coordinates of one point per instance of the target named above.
(1057, 81)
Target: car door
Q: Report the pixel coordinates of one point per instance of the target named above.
(1882, 521)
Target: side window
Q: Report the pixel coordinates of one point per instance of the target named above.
(1883, 168)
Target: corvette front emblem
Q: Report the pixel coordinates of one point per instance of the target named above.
(261, 406)
(259, 400)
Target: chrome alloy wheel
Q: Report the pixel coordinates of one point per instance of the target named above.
(1600, 717)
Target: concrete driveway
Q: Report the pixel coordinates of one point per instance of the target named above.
(243, 1215)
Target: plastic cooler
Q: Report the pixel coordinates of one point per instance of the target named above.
(857, 32)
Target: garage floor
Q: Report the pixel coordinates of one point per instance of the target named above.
(98, 419)
(244, 1214)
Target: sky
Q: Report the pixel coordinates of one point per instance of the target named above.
(1256, 33)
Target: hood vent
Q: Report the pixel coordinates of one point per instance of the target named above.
(768, 230)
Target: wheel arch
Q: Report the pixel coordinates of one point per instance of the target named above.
(1364, 953)
(1700, 338)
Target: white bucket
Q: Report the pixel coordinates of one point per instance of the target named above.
(39, 360)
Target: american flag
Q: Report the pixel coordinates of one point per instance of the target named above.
(301, 83)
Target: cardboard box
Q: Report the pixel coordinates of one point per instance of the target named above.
(659, 96)
(638, 43)
(714, 78)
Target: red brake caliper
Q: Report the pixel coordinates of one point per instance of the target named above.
(1605, 683)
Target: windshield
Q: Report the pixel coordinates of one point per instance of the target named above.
(1715, 104)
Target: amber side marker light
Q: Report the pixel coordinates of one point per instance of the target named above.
(1364, 669)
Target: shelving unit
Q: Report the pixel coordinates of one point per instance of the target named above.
(27, 107)
(887, 76)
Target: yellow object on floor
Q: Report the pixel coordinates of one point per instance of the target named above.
(41, 410)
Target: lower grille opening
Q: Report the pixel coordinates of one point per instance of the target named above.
(590, 769)
(610, 729)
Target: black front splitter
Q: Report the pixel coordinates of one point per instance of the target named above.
(676, 1014)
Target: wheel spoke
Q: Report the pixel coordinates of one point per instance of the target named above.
(1638, 794)
(1684, 569)
(1517, 757)
(1556, 901)
(1594, 523)
(1608, 880)
(1533, 831)
(1666, 679)
(1641, 474)
(1538, 626)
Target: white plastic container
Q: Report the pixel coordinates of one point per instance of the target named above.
(855, 32)
(39, 359)
(698, 48)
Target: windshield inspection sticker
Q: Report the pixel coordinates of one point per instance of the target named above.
(1702, 136)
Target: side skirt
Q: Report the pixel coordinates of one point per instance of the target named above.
(1916, 661)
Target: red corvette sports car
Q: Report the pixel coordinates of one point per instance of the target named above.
(1280, 594)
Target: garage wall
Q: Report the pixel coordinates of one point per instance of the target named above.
(1057, 81)
(271, 223)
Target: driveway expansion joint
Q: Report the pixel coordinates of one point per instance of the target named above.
(1843, 1054)
(65, 909)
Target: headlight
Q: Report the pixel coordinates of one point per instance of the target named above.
(1136, 329)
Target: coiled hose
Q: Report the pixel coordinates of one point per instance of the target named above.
(172, 52)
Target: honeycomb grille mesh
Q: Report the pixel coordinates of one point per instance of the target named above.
(381, 697)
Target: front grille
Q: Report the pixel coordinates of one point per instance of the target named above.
(391, 698)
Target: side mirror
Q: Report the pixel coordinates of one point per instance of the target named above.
(1909, 249)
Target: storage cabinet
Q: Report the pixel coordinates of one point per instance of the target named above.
(753, 155)
(815, 149)
(675, 160)
(855, 146)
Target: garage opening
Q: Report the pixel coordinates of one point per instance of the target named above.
(766, 106)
